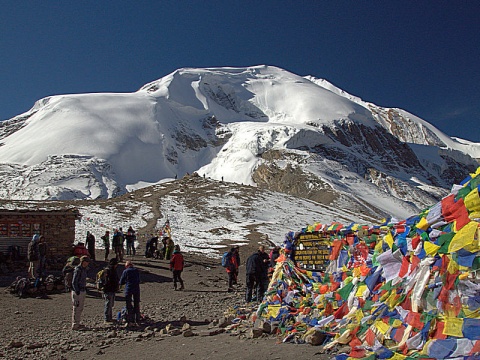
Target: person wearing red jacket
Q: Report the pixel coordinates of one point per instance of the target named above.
(176, 265)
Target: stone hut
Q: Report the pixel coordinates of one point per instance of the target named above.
(57, 226)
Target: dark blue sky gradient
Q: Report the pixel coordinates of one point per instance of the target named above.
(423, 57)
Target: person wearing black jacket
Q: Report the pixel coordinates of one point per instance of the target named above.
(264, 273)
(253, 269)
(90, 241)
(110, 288)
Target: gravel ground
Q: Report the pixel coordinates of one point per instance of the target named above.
(179, 324)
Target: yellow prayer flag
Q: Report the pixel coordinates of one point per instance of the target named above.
(464, 237)
(452, 267)
(472, 201)
(453, 327)
(391, 300)
(422, 224)
(361, 289)
(359, 315)
(430, 248)
(471, 314)
(397, 323)
(397, 356)
(378, 247)
(381, 326)
(272, 311)
(474, 215)
(389, 239)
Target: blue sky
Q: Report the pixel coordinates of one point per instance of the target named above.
(419, 56)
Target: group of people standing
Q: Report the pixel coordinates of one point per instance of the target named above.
(118, 243)
(257, 269)
(130, 278)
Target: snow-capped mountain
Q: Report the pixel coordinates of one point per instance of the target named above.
(260, 126)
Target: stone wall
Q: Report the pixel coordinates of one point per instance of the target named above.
(57, 226)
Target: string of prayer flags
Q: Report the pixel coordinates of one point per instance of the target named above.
(399, 290)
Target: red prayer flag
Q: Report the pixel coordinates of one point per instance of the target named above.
(413, 318)
(399, 334)
(370, 337)
(404, 267)
(438, 334)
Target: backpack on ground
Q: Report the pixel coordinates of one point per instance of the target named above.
(226, 259)
(101, 279)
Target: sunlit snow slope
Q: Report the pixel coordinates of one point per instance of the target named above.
(226, 123)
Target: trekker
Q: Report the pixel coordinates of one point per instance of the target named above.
(264, 271)
(232, 268)
(79, 292)
(68, 270)
(151, 247)
(176, 266)
(169, 247)
(90, 241)
(33, 256)
(237, 256)
(122, 242)
(253, 269)
(80, 250)
(106, 244)
(42, 254)
(131, 279)
(110, 288)
(130, 238)
(117, 245)
(274, 255)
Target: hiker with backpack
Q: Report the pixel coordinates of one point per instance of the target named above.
(79, 291)
(33, 255)
(130, 238)
(117, 244)
(106, 244)
(237, 257)
(169, 247)
(67, 272)
(131, 279)
(176, 266)
(90, 241)
(151, 247)
(108, 282)
(229, 262)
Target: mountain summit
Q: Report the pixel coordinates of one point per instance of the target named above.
(260, 126)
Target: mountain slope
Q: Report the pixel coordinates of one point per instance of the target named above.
(244, 125)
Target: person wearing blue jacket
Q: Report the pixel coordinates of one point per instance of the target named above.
(131, 279)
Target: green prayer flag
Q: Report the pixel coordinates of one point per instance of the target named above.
(463, 192)
(444, 242)
(345, 291)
